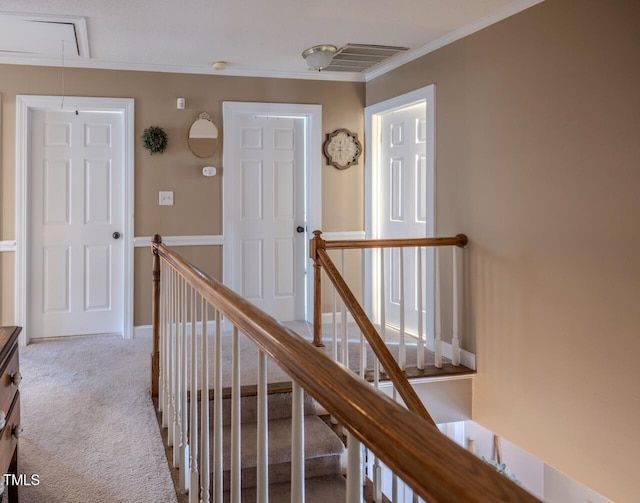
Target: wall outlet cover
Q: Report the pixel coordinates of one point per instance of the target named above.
(165, 198)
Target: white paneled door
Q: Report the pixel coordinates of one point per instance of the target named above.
(268, 236)
(405, 204)
(77, 220)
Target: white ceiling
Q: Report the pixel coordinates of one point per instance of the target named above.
(255, 37)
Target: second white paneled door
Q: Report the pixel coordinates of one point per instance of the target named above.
(405, 204)
(77, 223)
(268, 234)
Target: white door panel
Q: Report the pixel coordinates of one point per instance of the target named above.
(77, 203)
(404, 204)
(267, 207)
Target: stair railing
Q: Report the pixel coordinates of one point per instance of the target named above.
(319, 253)
(184, 300)
(391, 277)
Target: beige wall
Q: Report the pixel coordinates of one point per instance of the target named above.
(198, 206)
(538, 161)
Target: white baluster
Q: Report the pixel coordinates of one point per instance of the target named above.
(297, 445)
(205, 483)
(437, 343)
(455, 342)
(165, 348)
(383, 307)
(217, 413)
(420, 348)
(354, 470)
(185, 387)
(184, 411)
(402, 356)
(178, 433)
(171, 356)
(343, 321)
(177, 358)
(394, 477)
(263, 432)
(377, 481)
(363, 356)
(194, 493)
(363, 347)
(235, 419)
(334, 318)
(394, 488)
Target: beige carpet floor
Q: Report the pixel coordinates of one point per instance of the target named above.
(90, 432)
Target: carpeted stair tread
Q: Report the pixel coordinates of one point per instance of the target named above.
(278, 407)
(281, 472)
(325, 489)
(320, 441)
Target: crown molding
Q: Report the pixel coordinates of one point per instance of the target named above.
(449, 38)
(196, 70)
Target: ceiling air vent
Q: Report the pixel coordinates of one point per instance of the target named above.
(361, 57)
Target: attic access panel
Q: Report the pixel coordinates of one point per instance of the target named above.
(41, 35)
(361, 57)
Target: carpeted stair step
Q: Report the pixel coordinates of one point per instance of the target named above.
(323, 448)
(331, 488)
(323, 451)
(278, 407)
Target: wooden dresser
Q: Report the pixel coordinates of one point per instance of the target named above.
(10, 428)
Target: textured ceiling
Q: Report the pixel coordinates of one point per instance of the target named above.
(256, 37)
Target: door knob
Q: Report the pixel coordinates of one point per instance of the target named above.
(116, 235)
(300, 229)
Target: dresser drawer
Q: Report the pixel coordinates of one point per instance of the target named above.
(7, 388)
(8, 441)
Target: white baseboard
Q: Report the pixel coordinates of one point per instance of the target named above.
(466, 358)
(142, 331)
(327, 318)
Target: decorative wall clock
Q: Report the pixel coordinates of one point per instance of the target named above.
(342, 148)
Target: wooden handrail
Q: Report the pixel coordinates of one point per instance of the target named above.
(391, 367)
(460, 240)
(436, 468)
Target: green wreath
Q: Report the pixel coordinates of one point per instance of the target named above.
(154, 139)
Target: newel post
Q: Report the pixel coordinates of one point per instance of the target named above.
(155, 317)
(315, 244)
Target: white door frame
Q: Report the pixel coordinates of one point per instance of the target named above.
(371, 172)
(312, 115)
(24, 106)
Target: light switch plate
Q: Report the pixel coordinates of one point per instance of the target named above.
(165, 198)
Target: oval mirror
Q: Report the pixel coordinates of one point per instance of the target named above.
(203, 136)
